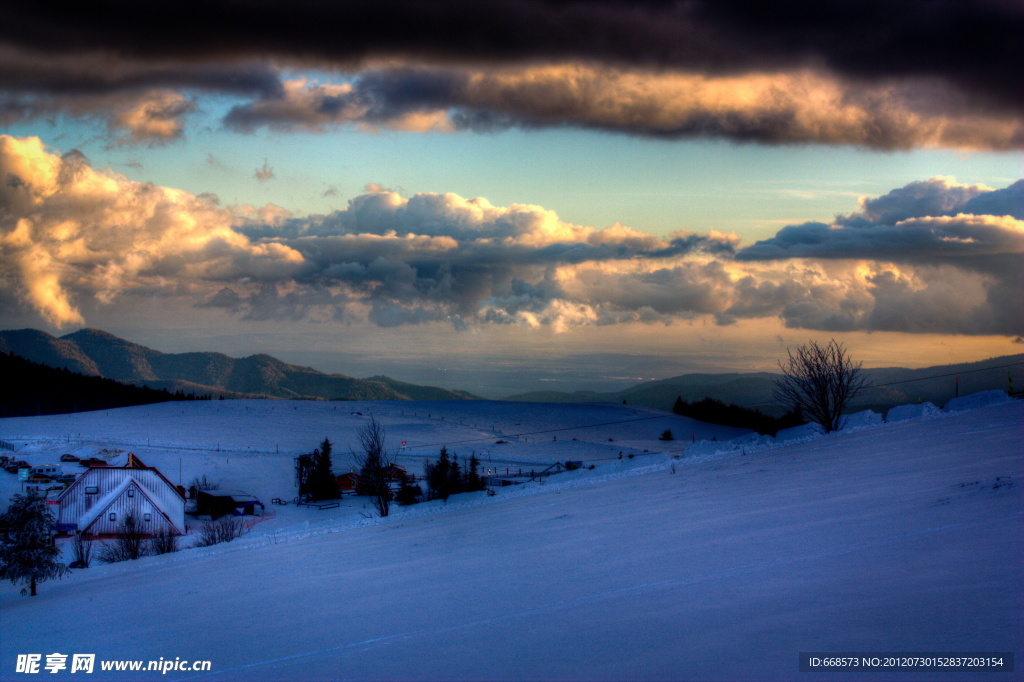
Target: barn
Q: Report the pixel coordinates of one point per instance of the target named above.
(98, 501)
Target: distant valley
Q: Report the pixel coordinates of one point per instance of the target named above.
(891, 386)
(97, 353)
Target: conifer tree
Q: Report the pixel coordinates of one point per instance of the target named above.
(438, 476)
(324, 484)
(455, 477)
(28, 555)
(473, 480)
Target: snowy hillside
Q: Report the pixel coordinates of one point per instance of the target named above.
(705, 562)
(250, 444)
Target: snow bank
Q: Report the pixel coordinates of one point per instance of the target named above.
(798, 432)
(914, 411)
(976, 400)
(861, 419)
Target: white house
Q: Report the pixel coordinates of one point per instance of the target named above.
(99, 499)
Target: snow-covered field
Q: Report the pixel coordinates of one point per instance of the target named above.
(720, 560)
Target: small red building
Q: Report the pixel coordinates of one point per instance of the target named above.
(347, 483)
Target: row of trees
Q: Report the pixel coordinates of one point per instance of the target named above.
(447, 477)
(713, 411)
(32, 389)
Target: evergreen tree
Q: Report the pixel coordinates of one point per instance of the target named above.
(438, 476)
(324, 484)
(474, 481)
(408, 493)
(29, 555)
(455, 477)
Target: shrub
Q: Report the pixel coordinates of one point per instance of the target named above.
(163, 542)
(224, 529)
(128, 543)
(408, 494)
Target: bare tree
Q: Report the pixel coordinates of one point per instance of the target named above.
(374, 464)
(164, 542)
(128, 543)
(82, 548)
(819, 381)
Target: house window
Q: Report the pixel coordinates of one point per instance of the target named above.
(131, 492)
(147, 517)
(91, 489)
(113, 516)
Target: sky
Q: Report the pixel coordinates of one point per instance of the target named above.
(548, 195)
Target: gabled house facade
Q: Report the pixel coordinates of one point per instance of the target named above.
(98, 501)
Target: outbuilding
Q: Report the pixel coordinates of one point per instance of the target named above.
(218, 503)
(348, 483)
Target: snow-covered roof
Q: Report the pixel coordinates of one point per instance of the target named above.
(104, 503)
(236, 495)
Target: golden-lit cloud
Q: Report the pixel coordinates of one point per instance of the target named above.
(783, 107)
(922, 258)
(70, 230)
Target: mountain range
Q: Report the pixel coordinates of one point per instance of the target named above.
(93, 352)
(889, 386)
(97, 353)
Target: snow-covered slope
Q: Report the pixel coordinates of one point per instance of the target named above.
(251, 444)
(901, 537)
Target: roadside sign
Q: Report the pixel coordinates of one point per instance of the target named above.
(23, 474)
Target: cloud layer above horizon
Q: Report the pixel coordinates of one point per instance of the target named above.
(932, 256)
(790, 72)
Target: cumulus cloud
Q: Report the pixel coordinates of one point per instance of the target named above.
(864, 73)
(941, 265)
(68, 230)
(913, 260)
(923, 222)
(152, 117)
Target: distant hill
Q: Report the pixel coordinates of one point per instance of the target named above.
(415, 392)
(97, 353)
(891, 386)
(32, 389)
